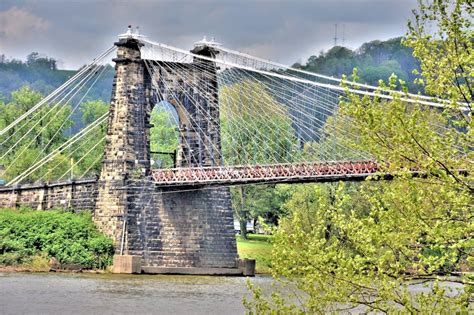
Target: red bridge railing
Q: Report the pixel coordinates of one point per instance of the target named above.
(274, 173)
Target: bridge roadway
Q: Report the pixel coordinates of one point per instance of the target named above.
(274, 173)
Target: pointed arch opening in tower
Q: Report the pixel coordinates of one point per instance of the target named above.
(164, 135)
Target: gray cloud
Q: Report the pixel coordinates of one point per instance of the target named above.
(16, 23)
(286, 31)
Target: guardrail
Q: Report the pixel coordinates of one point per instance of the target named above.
(294, 172)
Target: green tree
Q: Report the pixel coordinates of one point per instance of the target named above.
(35, 136)
(447, 61)
(375, 60)
(255, 130)
(163, 135)
(36, 60)
(40, 73)
(91, 110)
(393, 246)
(43, 131)
(87, 158)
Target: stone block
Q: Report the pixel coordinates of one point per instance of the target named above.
(127, 264)
(247, 266)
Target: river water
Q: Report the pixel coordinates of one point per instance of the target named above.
(63, 293)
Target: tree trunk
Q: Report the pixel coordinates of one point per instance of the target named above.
(243, 228)
(243, 213)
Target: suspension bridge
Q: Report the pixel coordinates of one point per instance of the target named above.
(239, 120)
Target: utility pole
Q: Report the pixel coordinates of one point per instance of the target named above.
(335, 34)
(343, 34)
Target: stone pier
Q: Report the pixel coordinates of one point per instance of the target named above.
(178, 228)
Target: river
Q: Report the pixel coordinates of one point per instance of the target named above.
(66, 293)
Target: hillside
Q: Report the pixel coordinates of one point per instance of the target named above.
(41, 74)
(374, 60)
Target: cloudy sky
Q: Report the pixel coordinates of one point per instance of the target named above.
(74, 31)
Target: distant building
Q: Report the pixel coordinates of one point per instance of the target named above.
(250, 228)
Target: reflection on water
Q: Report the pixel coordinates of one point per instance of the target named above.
(46, 293)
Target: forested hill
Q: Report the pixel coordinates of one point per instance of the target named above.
(41, 74)
(374, 60)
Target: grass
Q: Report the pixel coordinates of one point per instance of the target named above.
(258, 247)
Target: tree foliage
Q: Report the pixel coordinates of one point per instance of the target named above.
(36, 60)
(41, 74)
(446, 54)
(68, 237)
(255, 130)
(255, 127)
(36, 136)
(88, 158)
(400, 246)
(375, 60)
(44, 131)
(163, 135)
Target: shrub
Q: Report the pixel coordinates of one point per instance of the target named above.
(70, 238)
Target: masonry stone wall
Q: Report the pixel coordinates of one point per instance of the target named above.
(127, 153)
(196, 102)
(180, 228)
(77, 195)
(198, 229)
(188, 228)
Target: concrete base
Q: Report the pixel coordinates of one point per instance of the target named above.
(193, 271)
(127, 264)
(246, 267)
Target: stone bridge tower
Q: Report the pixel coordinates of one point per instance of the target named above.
(199, 126)
(168, 228)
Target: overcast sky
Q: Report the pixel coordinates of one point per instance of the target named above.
(74, 31)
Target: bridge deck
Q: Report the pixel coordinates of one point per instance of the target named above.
(275, 173)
